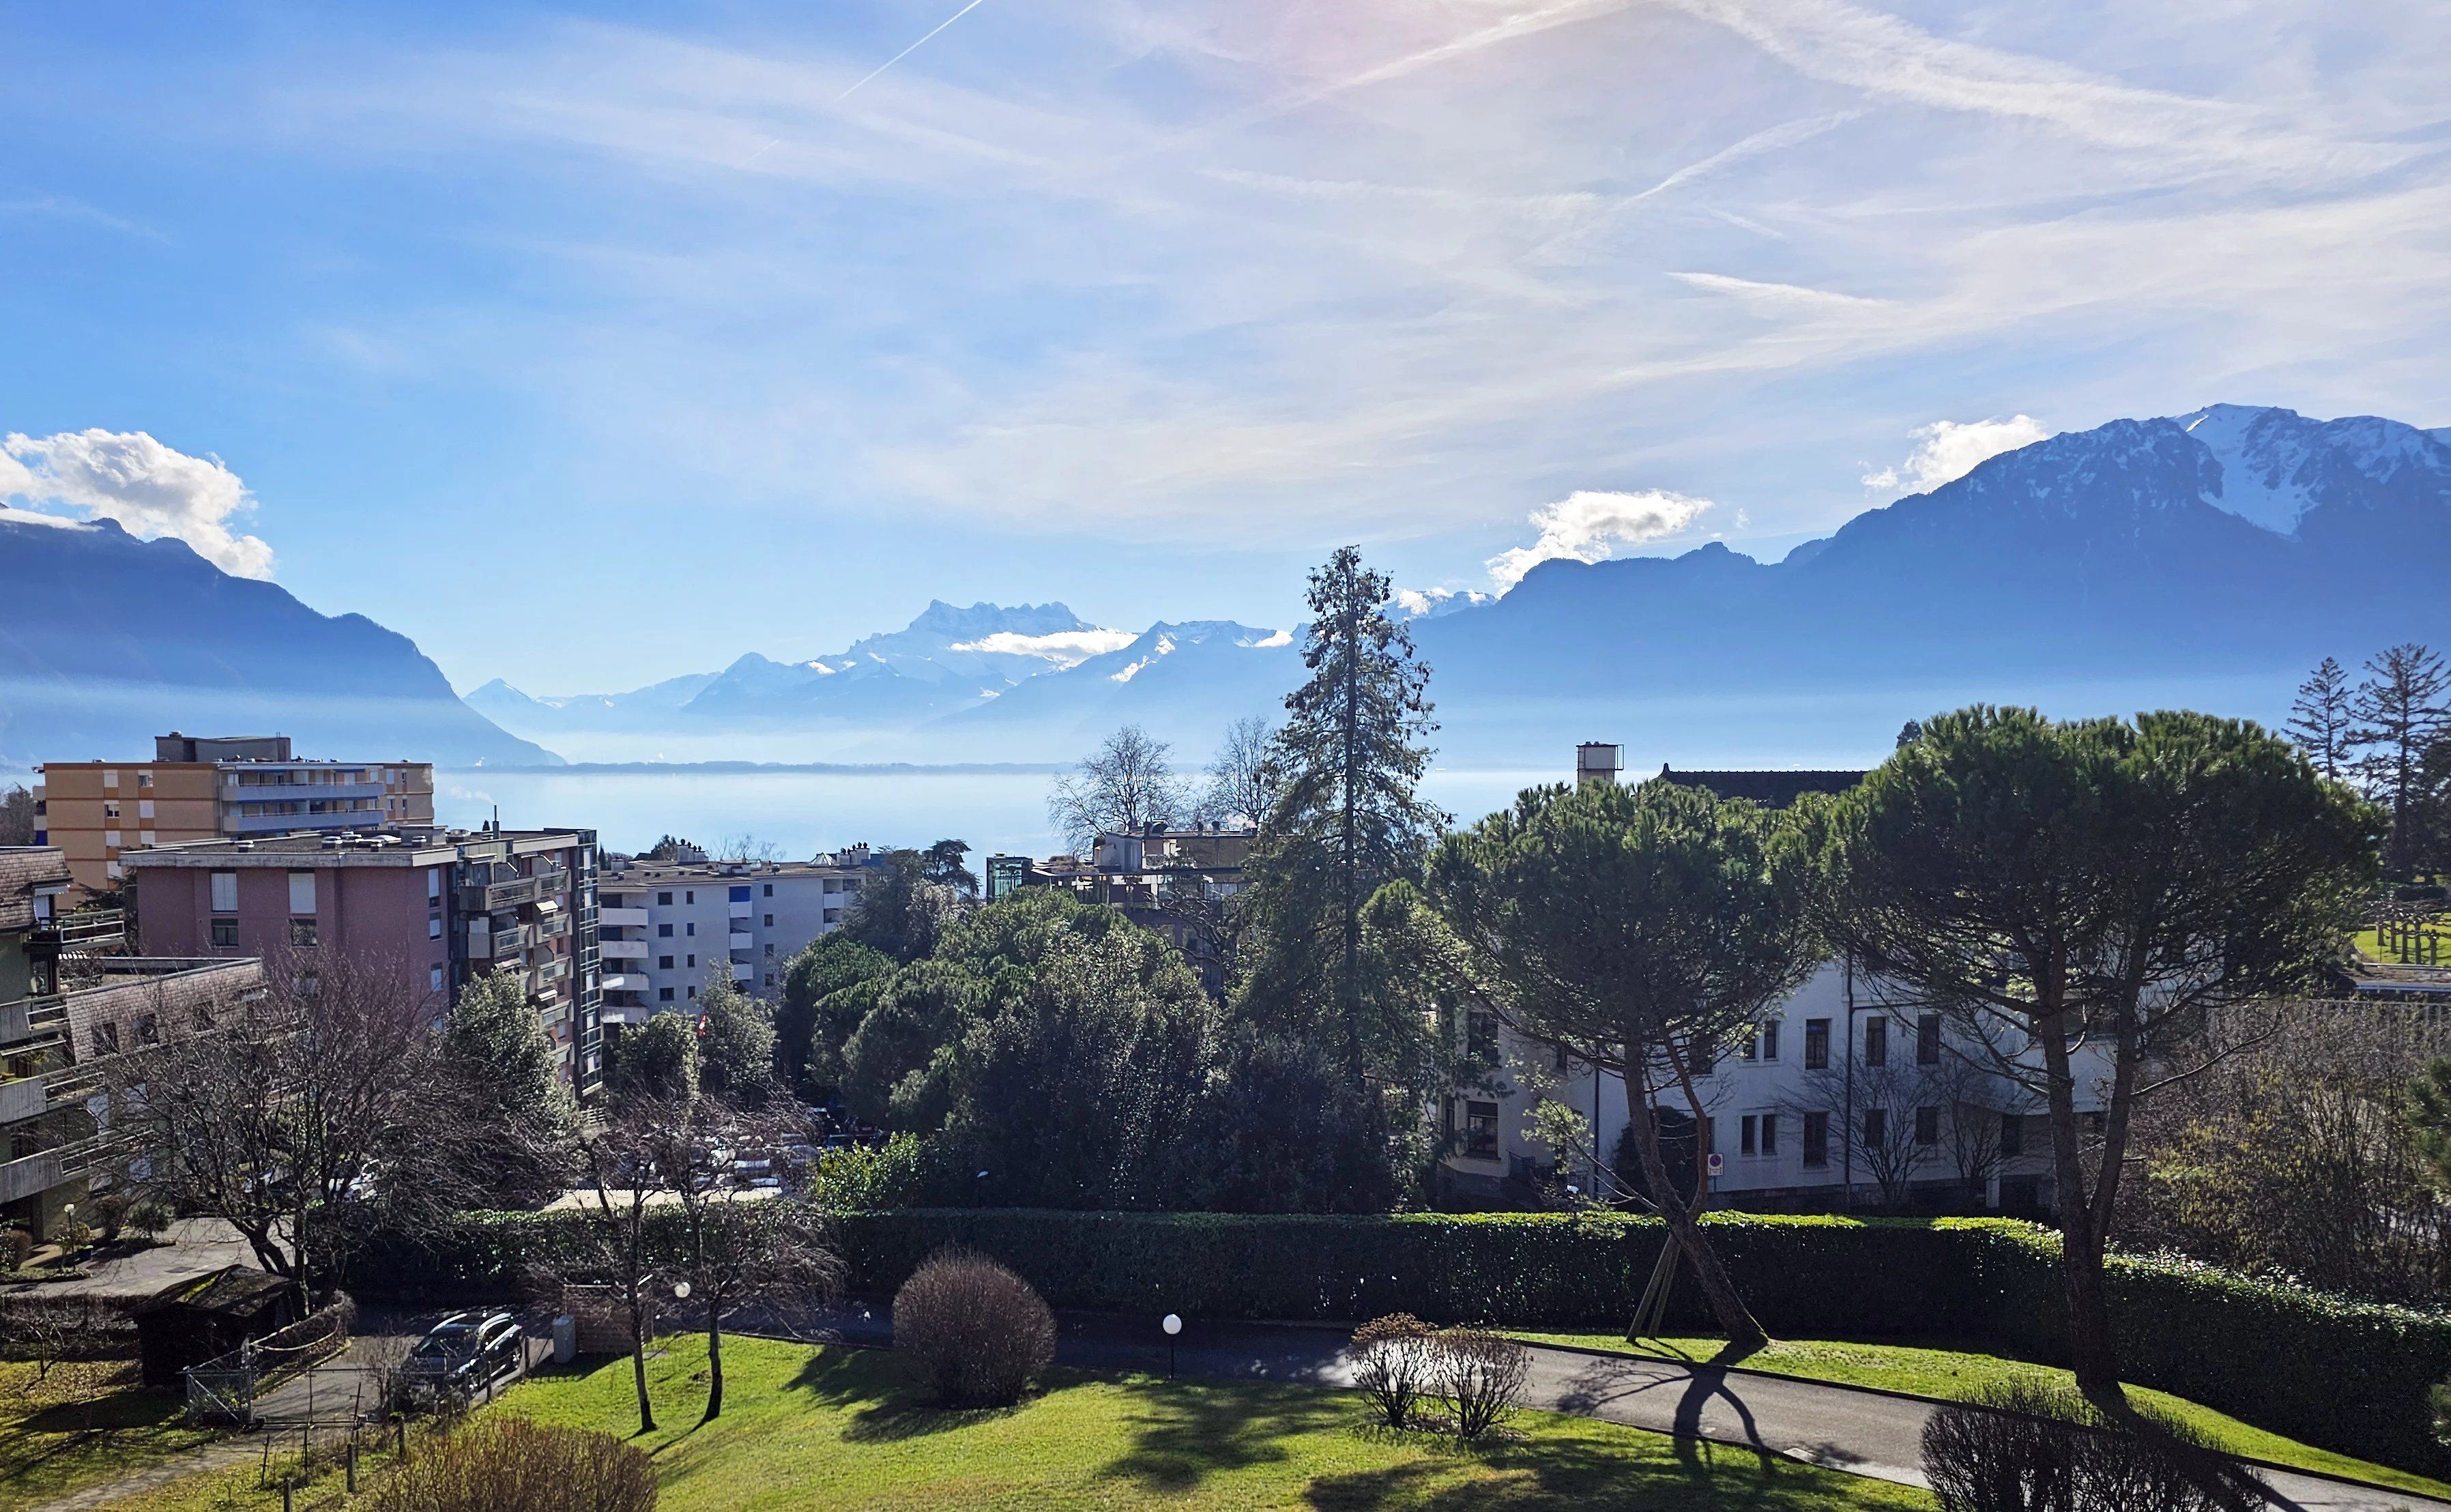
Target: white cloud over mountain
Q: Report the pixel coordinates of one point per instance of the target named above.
(150, 489)
(1948, 449)
(1591, 526)
(1066, 648)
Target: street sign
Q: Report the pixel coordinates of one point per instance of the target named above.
(1715, 1163)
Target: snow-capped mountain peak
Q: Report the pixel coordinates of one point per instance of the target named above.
(2276, 464)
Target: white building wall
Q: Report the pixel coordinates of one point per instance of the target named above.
(694, 918)
(1772, 1082)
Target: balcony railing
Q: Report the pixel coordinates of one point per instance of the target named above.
(84, 930)
(493, 944)
(493, 898)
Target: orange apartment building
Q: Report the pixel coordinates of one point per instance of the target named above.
(204, 789)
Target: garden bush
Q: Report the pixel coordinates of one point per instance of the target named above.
(2025, 1447)
(2199, 1333)
(1480, 1375)
(510, 1464)
(1392, 1358)
(983, 1334)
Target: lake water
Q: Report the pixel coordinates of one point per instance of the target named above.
(802, 813)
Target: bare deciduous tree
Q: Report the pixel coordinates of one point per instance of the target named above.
(1242, 781)
(737, 1250)
(1127, 784)
(749, 848)
(317, 1112)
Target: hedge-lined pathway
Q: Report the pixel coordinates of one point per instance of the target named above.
(1843, 1428)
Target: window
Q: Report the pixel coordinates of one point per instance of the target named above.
(692, 928)
(434, 979)
(106, 1039)
(769, 892)
(1928, 1040)
(738, 895)
(692, 992)
(1770, 1040)
(770, 921)
(301, 891)
(1876, 1042)
(434, 925)
(1817, 1139)
(1481, 1131)
(665, 901)
(433, 883)
(148, 1028)
(832, 885)
(110, 780)
(301, 932)
(225, 934)
(770, 978)
(144, 780)
(1877, 1127)
(2013, 1135)
(1816, 1044)
(664, 932)
(110, 808)
(145, 808)
(1769, 1133)
(693, 961)
(834, 916)
(1481, 1037)
(663, 963)
(1927, 1126)
(1745, 1135)
(690, 896)
(663, 994)
(200, 1016)
(225, 892)
(770, 949)
(1702, 1056)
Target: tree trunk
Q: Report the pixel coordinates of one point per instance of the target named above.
(1736, 1320)
(639, 1360)
(714, 1362)
(2092, 1354)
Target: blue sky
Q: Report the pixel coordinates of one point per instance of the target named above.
(589, 348)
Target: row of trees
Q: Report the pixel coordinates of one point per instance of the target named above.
(2390, 733)
(1129, 784)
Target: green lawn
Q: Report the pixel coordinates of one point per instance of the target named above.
(1952, 1375)
(2369, 943)
(808, 1429)
(84, 1425)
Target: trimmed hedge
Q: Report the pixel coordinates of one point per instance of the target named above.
(2349, 1376)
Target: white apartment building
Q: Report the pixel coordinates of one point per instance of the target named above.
(664, 926)
(1835, 1100)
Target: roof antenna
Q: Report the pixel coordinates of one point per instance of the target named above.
(498, 818)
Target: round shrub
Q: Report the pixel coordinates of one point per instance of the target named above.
(983, 1334)
(510, 1464)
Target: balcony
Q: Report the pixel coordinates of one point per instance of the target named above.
(744, 970)
(553, 926)
(35, 1173)
(739, 910)
(742, 942)
(236, 823)
(613, 918)
(493, 944)
(623, 949)
(33, 1018)
(300, 791)
(626, 982)
(27, 1097)
(493, 898)
(85, 929)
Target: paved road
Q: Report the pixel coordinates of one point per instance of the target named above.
(1867, 1433)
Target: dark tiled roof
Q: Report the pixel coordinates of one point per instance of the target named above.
(22, 867)
(1772, 789)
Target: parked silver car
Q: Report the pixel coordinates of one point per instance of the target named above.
(463, 1352)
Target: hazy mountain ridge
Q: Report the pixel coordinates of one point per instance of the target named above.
(2179, 558)
(106, 641)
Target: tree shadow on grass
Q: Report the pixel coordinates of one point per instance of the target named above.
(883, 1397)
(1185, 1431)
(1553, 1474)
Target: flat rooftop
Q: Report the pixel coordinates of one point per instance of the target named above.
(418, 847)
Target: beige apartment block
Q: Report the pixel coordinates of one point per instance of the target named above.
(204, 789)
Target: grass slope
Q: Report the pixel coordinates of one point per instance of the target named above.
(1956, 1375)
(85, 1424)
(808, 1429)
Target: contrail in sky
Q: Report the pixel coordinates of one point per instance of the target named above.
(906, 52)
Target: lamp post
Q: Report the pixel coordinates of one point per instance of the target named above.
(1172, 1323)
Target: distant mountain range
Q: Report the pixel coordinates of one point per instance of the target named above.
(2206, 558)
(106, 641)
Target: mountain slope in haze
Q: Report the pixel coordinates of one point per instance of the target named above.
(106, 641)
(1183, 683)
(2226, 543)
